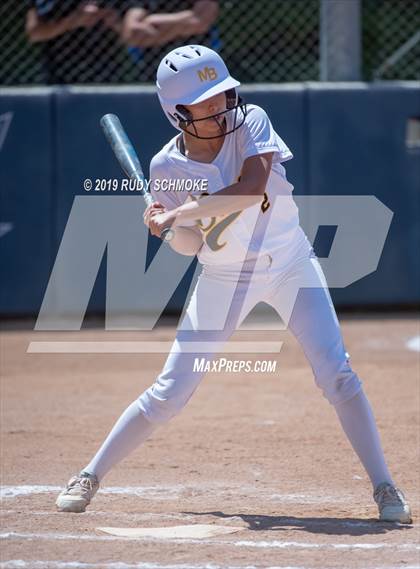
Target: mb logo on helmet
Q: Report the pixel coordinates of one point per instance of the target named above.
(207, 74)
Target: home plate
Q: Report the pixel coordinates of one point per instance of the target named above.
(198, 531)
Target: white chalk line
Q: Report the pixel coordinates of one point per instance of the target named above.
(20, 564)
(156, 492)
(177, 491)
(243, 543)
(110, 514)
(413, 344)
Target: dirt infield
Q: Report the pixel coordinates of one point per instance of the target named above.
(259, 451)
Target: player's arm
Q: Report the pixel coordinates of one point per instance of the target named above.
(247, 192)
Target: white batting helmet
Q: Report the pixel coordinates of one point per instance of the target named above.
(190, 74)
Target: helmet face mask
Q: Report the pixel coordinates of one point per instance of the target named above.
(234, 104)
(190, 75)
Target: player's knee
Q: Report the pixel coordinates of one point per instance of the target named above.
(337, 381)
(160, 405)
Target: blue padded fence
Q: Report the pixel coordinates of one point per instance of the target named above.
(347, 140)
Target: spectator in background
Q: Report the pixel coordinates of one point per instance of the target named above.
(154, 27)
(81, 38)
(159, 22)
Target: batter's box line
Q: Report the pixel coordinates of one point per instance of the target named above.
(174, 492)
(20, 564)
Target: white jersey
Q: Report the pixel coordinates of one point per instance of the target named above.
(227, 238)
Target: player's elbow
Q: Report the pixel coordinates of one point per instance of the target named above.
(253, 188)
(246, 201)
(247, 193)
(255, 174)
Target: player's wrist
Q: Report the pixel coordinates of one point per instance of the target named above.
(176, 216)
(186, 212)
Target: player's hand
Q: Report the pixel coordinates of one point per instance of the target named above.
(155, 207)
(160, 221)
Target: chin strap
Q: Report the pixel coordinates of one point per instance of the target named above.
(233, 103)
(187, 121)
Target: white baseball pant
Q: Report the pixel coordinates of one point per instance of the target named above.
(223, 297)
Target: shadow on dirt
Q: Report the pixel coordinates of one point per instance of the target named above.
(321, 525)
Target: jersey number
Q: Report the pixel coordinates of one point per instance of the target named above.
(265, 204)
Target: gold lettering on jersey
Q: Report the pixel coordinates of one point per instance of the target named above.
(213, 234)
(213, 231)
(209, 226)
(216, 226)
(207, 74)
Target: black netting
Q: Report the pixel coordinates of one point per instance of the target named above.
(388, 26)
(262, 41)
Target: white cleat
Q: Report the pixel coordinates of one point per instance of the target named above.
(78, 494)
(392, 504)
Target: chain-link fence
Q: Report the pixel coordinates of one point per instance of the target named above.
(122, 41)
(391, 39)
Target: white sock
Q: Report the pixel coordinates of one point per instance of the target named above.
(131, 429)
(358, 422)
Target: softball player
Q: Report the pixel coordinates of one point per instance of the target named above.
(252, 249)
